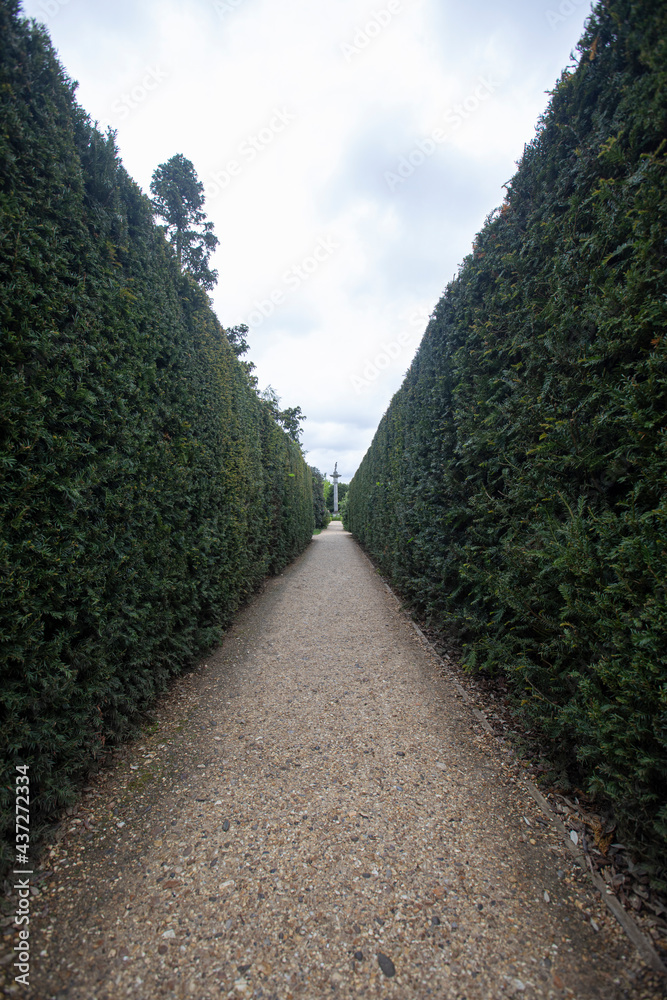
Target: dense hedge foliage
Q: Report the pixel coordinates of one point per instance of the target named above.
(515, 490)
(146, 489)
(320, 511)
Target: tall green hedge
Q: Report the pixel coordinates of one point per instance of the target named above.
(516, 489)
(145, 489)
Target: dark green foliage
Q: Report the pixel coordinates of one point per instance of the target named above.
(236, 335)
(320, 511)
(178, 198)
(515, 490)
(145, 488)
(290, 419)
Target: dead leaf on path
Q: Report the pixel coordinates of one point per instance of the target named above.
(171, 883)
(602, 836)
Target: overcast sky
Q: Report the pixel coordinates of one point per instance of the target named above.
(350, 152)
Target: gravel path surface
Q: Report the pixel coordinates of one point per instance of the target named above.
(316, 813)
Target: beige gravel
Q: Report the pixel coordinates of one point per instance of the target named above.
(317, 813)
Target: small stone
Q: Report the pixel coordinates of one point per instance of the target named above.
(169, 934)
(435, 920)
(359, 955)
(225, 826)
(386, 965)
(547, 897)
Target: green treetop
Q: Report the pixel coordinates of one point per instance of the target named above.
(178, 198)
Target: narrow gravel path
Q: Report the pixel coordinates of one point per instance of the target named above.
(317, 814)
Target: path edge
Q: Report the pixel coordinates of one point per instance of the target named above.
(641, 942)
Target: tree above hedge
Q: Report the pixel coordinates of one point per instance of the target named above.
(178, 198)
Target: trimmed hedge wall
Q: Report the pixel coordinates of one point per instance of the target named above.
(515, 490)
(146, 489)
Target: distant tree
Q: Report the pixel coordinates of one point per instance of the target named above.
(320, 511)
(290, 419)
(272, 400)
(178, 198)
(236, 336)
